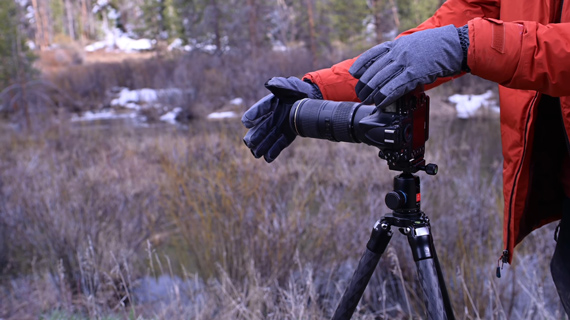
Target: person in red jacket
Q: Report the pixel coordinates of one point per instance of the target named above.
(524, 46)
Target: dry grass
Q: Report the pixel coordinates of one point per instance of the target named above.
(90, 214)
(114, 222)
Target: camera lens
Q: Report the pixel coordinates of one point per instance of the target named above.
(329, 120)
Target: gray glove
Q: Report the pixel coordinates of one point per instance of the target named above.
(392, 69)
(268, 119)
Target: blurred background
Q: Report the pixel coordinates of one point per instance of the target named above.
(127, 193)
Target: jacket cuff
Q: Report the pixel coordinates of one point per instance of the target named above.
(335, 83)
(316, 92)
(463, 33)
(494, 49)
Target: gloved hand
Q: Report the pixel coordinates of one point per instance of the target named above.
(392, 69)
(268, 119)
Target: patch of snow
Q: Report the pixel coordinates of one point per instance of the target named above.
(127, 44)
(278, 46)
(96, 46)
(176, 44)
(135, 99)
(236, 102)
(132, 105)
(222, 115)
(467, 105)
(29, 13)
(170, 117)
(100, 5)
(113, 14)
(31, 45)
(102, 115)
(118, 40)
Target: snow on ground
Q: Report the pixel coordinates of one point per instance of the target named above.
(132, 98)
(138, 98)
(178, 44)
(222, 115)
(170, 117)
(106, 114)
(237, 102)
(467, 105)
(145, 99)
(118, 40)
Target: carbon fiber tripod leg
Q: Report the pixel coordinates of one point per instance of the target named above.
(430, 276)
(379, 239)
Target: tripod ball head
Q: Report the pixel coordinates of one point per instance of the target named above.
(406, 196)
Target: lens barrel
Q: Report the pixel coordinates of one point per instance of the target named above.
(329, 120)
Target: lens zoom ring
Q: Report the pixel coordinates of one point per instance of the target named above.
(307, 120)
(341, 121)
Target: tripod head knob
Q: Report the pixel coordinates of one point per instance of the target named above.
(430, 168)
(395, 200)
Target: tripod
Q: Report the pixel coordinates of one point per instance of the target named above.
(412, 222)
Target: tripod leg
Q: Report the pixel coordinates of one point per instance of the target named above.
(430, 276)
(379, 239)
(444, 294)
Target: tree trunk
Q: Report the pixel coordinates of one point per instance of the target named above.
(69, 18)
(312, 32)
(40, 31)
(217, 31)
(46, 27)
(377, 7)
(21, 74)
(83, 25)
(395, 14)
(253, 26)
(161, 20)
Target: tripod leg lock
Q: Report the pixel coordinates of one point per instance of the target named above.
(380, 237)
(421, 243)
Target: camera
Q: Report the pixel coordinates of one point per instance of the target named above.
(399, 130)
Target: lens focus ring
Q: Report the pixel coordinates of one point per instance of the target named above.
(323, 119)
(306, 118)
(342, 120)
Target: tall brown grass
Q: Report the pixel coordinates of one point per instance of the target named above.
(91, 213)
(114, 221)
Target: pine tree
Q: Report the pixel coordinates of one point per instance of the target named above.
(16, 70)
(347, 19)
(15, 58)
(414, 12)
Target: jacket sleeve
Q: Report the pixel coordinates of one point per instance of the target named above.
(338, 85)
(521, 55)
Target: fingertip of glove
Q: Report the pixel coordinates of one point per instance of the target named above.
(380, 99)
(246, 122)
(254, 155)
(356, 71)
(364, 92)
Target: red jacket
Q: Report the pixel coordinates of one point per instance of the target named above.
(521, 46)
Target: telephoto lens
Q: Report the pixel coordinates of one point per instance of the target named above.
(329, 120)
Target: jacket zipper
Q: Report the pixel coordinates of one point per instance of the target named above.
(560, 102)
(505, 255)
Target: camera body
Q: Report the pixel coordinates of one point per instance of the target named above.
(399, 130)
